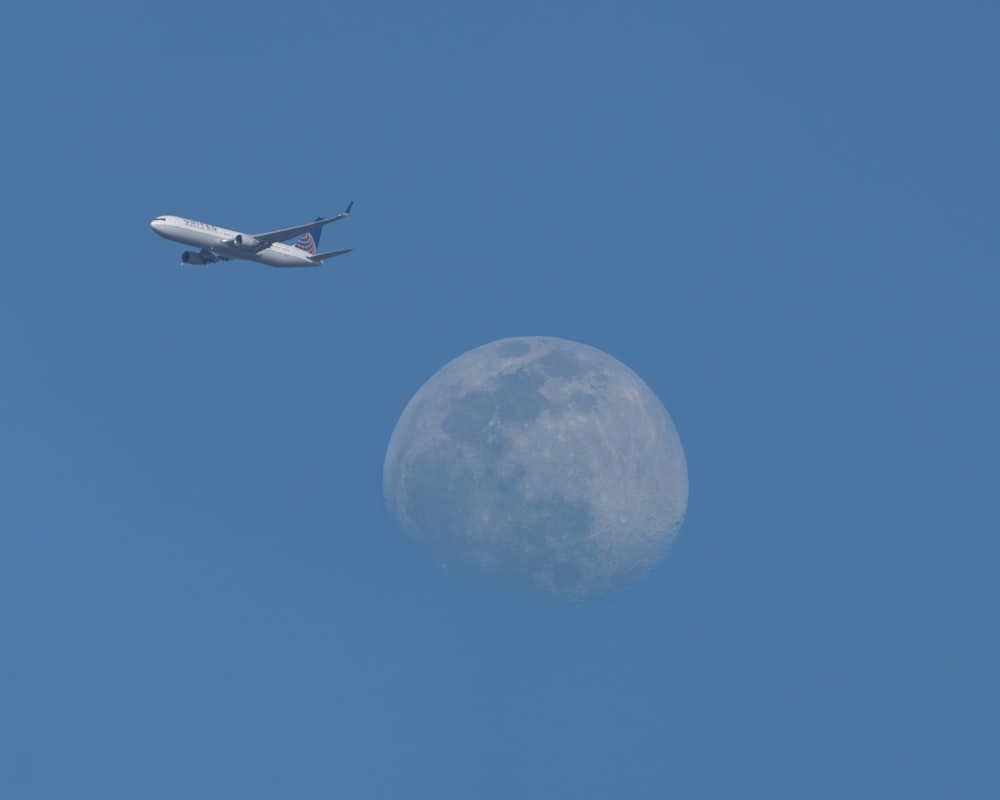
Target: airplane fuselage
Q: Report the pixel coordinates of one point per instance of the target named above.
(222, 243)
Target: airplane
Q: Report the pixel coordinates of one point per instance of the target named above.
(221, 244)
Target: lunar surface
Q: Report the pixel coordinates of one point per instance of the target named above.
(543, 461)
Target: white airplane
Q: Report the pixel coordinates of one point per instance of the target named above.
(221, 244)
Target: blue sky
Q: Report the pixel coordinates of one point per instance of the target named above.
(782, 217)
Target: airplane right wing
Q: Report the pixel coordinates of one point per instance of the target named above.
(203, 257)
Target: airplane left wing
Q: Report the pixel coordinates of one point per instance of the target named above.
(267, 239)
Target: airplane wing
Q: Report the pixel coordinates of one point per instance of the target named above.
(267, 239)
(202, 257)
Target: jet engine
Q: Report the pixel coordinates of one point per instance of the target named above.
(246, 242)
(195, 259)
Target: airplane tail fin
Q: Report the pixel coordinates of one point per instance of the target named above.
(309, 241)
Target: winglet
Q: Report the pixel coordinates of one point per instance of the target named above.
(348, 209)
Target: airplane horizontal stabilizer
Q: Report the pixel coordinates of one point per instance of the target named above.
(331, 254)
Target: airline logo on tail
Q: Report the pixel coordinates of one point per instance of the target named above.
(309, 241)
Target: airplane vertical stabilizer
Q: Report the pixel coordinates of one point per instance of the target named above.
(309, 241)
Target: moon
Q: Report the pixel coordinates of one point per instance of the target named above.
(543, 461)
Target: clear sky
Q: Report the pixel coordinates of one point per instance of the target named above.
(782, 216)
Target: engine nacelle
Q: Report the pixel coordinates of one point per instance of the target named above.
(194, 259)
(246, 242)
